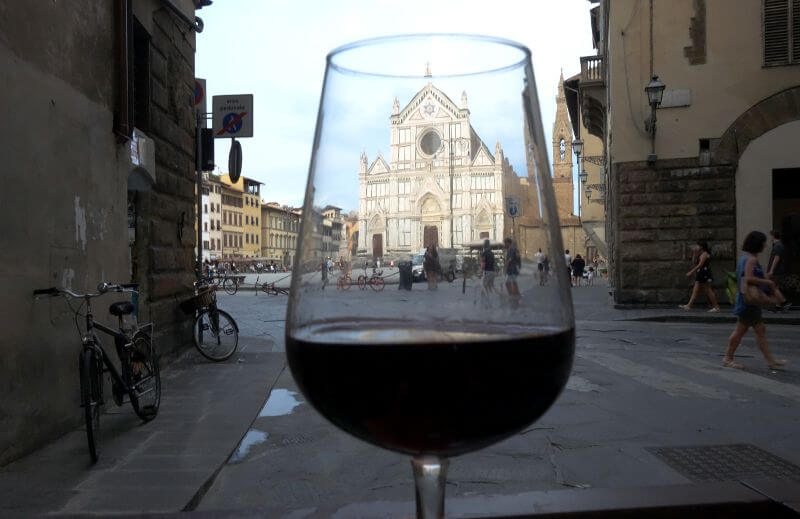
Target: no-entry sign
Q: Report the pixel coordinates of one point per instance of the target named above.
(232, 116)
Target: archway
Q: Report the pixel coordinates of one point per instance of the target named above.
(768, 159)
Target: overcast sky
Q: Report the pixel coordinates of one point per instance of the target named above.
(276, 51)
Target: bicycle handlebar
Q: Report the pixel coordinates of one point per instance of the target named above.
(102, 288)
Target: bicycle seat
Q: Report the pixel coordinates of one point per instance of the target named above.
(121, 308)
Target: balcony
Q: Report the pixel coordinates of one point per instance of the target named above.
(593, 71)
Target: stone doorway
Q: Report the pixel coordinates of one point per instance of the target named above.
(430, 236)
(377, 245)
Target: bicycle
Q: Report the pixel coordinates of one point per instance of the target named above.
(375, 281)
(215, 333)
(230, 284)
(139, 377)
(272, 290)
(344, 282)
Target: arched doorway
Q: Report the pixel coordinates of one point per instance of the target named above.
(430, 221)
(767, 184)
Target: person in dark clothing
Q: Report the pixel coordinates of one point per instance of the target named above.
(703, 278)
(513, 264)
(430, 263)
(578, 264)
(488, 262)
(776, 266)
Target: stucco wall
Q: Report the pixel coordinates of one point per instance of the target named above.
(775, 149)
(731, 81)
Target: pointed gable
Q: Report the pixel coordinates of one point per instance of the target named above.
(483, 157)
(443, 106)
(378, 166)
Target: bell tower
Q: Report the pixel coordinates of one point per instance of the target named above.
(562, 153)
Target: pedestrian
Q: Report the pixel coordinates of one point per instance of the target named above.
(578, 264)
(540, 267)
(753, 292)
(324, 269)
(568, 260)
(430, 263)
(546, 263)
(702, 277)
(513, 264)
(590, 277)
(776, 266)
(488, 264)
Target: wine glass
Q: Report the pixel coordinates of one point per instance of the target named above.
(450, 367)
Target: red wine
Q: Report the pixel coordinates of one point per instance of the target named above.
(429, 391)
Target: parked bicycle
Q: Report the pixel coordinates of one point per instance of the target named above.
(215, 332)
(273, 290)
(375, 281)
(139, 377)
(344, 282)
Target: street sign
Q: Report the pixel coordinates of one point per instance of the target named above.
(200, 101)
(512, 207)
(235, 161)
(232, 116)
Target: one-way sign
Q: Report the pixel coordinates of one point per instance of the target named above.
(232, 116)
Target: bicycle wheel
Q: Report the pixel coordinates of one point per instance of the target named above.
(265, 287)
(144, 377)
(91, 398)
(216, 334)
(230, 286)
(362, 282)
(270, 289)
(377, 284)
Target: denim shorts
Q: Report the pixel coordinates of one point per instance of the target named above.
(750, 316)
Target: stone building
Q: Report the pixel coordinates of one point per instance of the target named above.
(97, 133)
(279, 228)
(530, 230)
(212, 217)
(407, 203)
(724, 160)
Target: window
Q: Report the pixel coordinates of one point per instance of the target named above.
(562, 148)
(247, 238)
(405, 135)
(212, 207)
(271, 240)
(458, 225)
(402, 203)
(205, 226)
(205, 244)
(781, 29)
(430, 142)
(404, 231)
(455, 130)
(457, 200)
(205, 208)
(256, 238)
(404, 187)
(457, 183)
(404, 153)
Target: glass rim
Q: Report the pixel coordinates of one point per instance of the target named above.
(330, 58)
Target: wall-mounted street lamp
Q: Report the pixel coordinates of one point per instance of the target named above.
(577, 148)
(655, 93)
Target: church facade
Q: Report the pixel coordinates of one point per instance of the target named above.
(441, 185)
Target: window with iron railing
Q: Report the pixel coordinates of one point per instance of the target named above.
(781, 32)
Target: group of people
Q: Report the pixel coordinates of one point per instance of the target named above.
(576, 268)
(214, 268)
(755, 290)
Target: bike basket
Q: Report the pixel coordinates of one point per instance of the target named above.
(200, 300)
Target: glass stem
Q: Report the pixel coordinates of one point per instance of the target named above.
(430, 478)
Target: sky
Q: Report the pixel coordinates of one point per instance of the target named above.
(276, 51)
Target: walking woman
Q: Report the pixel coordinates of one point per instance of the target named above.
(753, 292)
(702, 278)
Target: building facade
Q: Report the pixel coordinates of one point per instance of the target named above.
(409, 202)
(722, 159)
(212, 214)
(251, 196)
(280, 226)
(99, 97)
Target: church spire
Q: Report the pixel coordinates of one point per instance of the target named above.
(428, 69)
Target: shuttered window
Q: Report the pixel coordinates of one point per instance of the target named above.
(781, 32)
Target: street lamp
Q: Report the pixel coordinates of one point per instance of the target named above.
(655, 93)
(577, 148)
